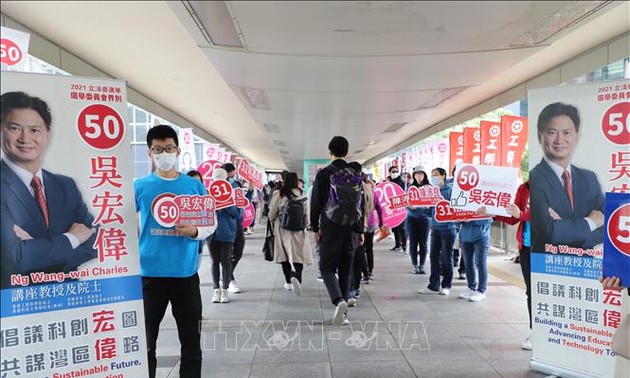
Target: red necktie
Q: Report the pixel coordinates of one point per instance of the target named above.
(38, 192)
(568, 187)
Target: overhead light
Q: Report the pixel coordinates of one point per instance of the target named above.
(371, 143)
(256, 97)
(215, 22)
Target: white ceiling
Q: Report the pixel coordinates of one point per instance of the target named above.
(322, 68)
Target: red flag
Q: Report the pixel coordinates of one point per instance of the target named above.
(490, 143)
(514, 135)
(456, 149)
(472, 145)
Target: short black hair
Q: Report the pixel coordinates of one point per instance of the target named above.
(338, 146)
(229, 167)
(558, 109)
(441, 171)
(20, 100)
(195, 173)
(161, 132)
(356, 166)
(392, 167)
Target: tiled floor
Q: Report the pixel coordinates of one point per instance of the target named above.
(394, 332)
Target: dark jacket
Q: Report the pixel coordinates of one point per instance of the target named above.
(319, 197)
(227, 220)
(445, 191)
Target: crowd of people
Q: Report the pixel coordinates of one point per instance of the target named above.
(343, 215)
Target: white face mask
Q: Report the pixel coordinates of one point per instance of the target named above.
(165, 161)
(394, 175)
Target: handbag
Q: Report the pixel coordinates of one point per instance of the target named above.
(269, 243)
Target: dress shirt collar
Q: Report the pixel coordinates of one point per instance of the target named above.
(557, 169)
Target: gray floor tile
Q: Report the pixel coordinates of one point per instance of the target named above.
(303, 370)
(438, 368)
(394, 369)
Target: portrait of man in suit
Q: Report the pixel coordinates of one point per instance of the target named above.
(46, 226)
(567, 202)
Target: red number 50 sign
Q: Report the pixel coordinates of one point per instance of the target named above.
(101, 127)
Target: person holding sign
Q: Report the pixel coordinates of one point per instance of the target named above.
(168, 255)
(474, 239)
(567, 201)
(399, 231)
(46, 226)
(239, 242)
(417, 225)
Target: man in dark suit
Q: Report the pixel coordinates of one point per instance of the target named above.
(567, 202)
(46, 226)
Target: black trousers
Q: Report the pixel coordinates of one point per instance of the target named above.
(237, 251)
(369, 251)
(220, 253)
(400, 236)
(526, 269)
(288, 272)
(337, 247)
(185, 299)
(359, 267)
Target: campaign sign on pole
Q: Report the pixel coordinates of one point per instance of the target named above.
(445, 213)
(195, 210)
(69, 306)
(206, 169)
(472, 145)
(239, 198)
(617, 237)
(578, 151)
(249, 214)
(13, 49)
(249, 173)
(456, 149)
(478, 186)
(223, 194)
(384, 192)
(187, 156)
(490, 143)
(514, 138)
(427, 195)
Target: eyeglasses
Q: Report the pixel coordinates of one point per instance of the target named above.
(168, 149)
(394, 171)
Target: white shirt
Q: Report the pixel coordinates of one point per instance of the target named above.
(558, 170)
(26, 177)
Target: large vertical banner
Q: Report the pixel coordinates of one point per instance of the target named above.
(514, 137)
(490, 143)
(579, 149)
(472, 145)
(187, 156)
(71, 298)
(456, 149)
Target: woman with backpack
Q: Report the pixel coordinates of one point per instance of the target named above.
(288, 211)
(417, 225)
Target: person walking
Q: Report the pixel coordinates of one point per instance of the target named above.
(417, 225)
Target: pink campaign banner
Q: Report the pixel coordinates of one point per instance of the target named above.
(206, 169)
(248, 215)
(385, 192)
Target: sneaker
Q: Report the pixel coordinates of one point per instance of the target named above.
(414, 269)
(216, 297)
(297, 287)
(233, 287)
(427, 291)
(467, 294)
(352, 302)
(396, 248)
(225, 298)
(319, 279)
(340, 313)
(421, 270)
(445, 291)
(345, 320)
(288, 286)
(477, 297)
(527, 344)
(462, 276)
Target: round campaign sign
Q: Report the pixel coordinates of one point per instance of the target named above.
(248, 215)
(619, 229)
(101, 127)
(616, 123)
(383, 192)
(221, 191)
(10, 53)
(468, 178)
(165, 210)
(206, 169)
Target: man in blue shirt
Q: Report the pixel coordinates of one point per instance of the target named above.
(168, 255)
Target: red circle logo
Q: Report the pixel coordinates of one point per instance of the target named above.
(101, 127)
(165, 210)
(468, 178)
(616, 123)
(10, 53)
(619, 229)
(221, 191)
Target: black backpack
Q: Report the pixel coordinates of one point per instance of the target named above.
(345, 198)
(293, 214)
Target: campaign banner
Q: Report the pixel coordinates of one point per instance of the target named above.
(514, 138)
(445, 213)
(14, 49)
(456, 149)
(187, 155)
(427, 195)
(69, 311)
(222, 193)
(472, 145)
(440, 156)
(491, 143)
(248, 172)
(617, 237)
(478, 186)
(578, 151)
(239, 198)
(249, 214)
(206, 169)
(170, 210)
(210, 151)
(384, 192)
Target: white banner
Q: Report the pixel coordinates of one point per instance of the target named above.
(14, 49)
(69, 311)
(187, 157)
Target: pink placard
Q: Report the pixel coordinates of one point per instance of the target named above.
(248, 215)
(384, 192)
(206, 169)
(427, 195)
